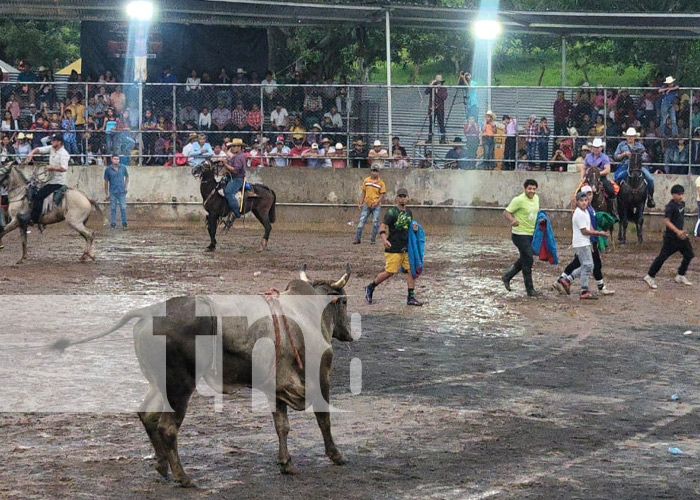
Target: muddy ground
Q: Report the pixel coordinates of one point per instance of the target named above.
(479, 394)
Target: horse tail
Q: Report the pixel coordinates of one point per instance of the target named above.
(94, 204)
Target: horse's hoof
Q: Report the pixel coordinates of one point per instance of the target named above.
(162, 469)
(209, 249)
(289, 469)
(338, 459)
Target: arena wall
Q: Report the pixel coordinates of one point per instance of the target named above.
(329, 196)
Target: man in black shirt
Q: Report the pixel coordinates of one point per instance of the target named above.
(675, 239)
(397, 221)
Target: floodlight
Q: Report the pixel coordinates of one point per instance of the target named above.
(487, 29)
(140, 10)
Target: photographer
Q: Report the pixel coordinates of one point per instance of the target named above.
(471, 105)
(436, 107)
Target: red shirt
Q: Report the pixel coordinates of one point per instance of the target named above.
(295, 156)
(254, 119)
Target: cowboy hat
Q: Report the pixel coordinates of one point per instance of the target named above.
(489, 112)
(377, 143)
(20, 136)
(631, 132)
(316, 125)
(338, 146)
(669, 80)
(236, 142)
(359, 142)
(240, 70)
(193, 135)
(597, 143)
(573, 132)
(42, 68)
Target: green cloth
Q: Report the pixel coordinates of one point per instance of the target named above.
(524, 210)
(604, 222)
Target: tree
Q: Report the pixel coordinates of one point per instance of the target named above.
(48, 43)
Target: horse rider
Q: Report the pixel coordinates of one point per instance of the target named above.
(597, 159)
(623, 153)
(235, 170)
(58, 165)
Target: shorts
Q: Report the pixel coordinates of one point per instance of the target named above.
(396, 260)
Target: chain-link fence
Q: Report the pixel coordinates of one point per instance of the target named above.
(429, 127)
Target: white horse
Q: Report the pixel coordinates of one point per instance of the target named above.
(75, 209)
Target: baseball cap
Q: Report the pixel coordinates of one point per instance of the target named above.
(375, 167)
(581, 195)
(280, 138)
(586, 189)
(57, 137)
(402, 191)
(314, 146)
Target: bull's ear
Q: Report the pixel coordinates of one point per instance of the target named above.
(302, 274)
(342, 281)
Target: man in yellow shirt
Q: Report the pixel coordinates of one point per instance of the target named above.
(522, 215)
(373, 191)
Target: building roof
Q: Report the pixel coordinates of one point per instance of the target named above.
(266, 13)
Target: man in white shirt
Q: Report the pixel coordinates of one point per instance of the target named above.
(335, 118)
(280, 153)
(581, 241)
(279, 119)
(377, 155)
(269, 86)
(58, 165)
(198, 151)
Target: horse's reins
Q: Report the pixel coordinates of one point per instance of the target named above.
(272, 299)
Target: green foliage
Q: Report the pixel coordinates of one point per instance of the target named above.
(40, 42)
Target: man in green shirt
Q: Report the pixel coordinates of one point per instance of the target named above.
(522, 215)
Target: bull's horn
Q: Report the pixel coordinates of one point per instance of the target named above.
(302, 274)
(342, 281)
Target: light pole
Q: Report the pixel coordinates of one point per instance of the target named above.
(488, 30)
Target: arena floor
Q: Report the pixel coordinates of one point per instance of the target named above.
(479, 394)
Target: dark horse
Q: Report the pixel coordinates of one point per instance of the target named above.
(599, 203)
(262, 205)
(631, 198)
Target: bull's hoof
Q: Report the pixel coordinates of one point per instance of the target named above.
(162, 468)
(289, 469)
(337, 458)
(185, 482)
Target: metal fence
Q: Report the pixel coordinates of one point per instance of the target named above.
(436, 127)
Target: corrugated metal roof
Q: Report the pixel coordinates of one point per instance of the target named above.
(267, 13)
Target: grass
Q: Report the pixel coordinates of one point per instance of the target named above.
(523, 71)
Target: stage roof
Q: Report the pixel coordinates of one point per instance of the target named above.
(265, 13)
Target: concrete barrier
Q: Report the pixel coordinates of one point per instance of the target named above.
(320, 195)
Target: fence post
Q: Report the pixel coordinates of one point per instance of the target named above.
(347, 124)
(86, 146)
(688, 146)
(174, 123)
(140, 87)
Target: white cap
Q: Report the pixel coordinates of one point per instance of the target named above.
(314, 146)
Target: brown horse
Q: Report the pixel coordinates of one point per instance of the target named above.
(75, 209)
(262, 205)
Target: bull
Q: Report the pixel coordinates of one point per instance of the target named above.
(295, 384)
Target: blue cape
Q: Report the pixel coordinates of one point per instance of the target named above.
(543, 244)
(416, 249)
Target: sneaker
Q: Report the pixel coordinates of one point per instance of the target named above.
(113, 226)
(506, 282)
(587, 296)
(650, 281)
(680, 278)
(372, 241)
(356, 242)
(368, 294)
(606, 291)
(563, 286)
(412, 301)
(124, 227)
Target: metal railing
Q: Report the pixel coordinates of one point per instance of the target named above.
(153, 122)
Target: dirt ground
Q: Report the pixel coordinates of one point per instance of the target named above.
(479, 394)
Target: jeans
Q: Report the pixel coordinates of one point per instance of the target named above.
(666, 110)
(125, 144)
(531, 153)
(114, 199)
(622, 173)
(110, 141)
(523, 242)
(542, 151)
(597, 263)
(585, 257)
(363, 218)
(489, 144)
(232, 187)
(671, 245)
(38, 202)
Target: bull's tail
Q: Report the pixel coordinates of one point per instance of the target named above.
(62, 344)
(273, 214)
